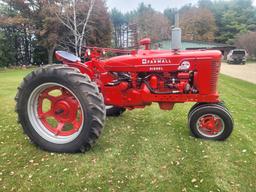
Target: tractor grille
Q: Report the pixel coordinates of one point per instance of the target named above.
(215, 70)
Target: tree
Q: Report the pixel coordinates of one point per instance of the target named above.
(32, 29)
(232, 18)
(7, 52)
(34, 19)
(48, 29)
(15, 37)
(71, 16)
(99, 31)
(208, 4)
(150, 23)
(197, 24)
(87, 22)
(119, 22)
(170, 13)
(247, 41)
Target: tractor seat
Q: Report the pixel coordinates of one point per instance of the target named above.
(60, 55)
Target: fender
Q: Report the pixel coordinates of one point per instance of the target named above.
(74, 61)
(83, 68)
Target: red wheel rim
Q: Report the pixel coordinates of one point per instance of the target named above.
(63, 116)
(210, 125)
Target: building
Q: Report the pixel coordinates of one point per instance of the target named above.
(192, 45)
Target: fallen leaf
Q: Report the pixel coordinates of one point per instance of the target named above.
(193, 180)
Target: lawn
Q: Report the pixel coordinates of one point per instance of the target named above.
(143, 150)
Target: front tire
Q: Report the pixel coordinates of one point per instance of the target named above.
(196, 105)
(210, 121)
(60, 109)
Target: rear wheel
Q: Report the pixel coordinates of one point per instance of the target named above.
(114, 111)
(60, 109)
(210, 121)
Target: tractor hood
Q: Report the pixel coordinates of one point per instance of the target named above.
(158, 58)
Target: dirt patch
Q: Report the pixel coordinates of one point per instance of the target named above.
(245, 72)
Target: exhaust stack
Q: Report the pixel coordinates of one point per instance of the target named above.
(176, 35)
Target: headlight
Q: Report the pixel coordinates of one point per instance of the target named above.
(88, 51)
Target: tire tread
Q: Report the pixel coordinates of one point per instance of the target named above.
(88, 91)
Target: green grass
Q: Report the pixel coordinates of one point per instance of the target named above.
(143, 150)
(251, 61)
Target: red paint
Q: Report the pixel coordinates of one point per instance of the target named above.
(64, 108)
(146, 42)
(141, 77)
(210, 124)
(154, 82)
(166, 106)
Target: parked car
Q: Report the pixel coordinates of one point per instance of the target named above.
(237, 56)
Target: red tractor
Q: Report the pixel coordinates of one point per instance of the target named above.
(62, 108)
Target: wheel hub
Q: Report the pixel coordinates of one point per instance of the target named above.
(64, 115)
(61, 108)
(65, 110)
(210, 125)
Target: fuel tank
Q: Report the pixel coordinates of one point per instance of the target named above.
(160, 60)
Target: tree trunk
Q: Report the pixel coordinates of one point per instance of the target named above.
(51, 54)
(26, 47)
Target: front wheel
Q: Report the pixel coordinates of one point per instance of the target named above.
(60, 109)
(211, 121)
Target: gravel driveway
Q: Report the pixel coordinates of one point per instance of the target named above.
(245, 72)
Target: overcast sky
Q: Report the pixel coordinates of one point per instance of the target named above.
(160, 5)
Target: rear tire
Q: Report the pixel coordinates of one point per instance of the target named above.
(210, 121)
(113, 111)
(80, 93)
